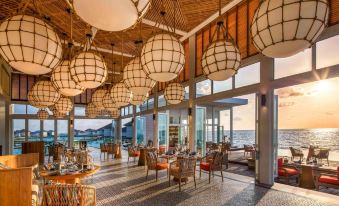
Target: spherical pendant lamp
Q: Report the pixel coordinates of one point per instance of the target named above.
(111, 15)
(64, 105)
(97, 98)
(59, 115)
(42, 114)
(91, 111)
(174, 93)
(115, 114)
(284, 28)
(135, 78)
(63, 82)
(108, 102)
(162, 57)
(88, 69)
(139, 99)
(221, 60)
(120, 94)
(29, 45)
(44, 93)
(32, 100)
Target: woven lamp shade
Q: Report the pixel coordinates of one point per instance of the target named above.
(135, 78)
(174, 93)
(29, 45)
(162, 57)
(88, 70)
(108, 103)
(221, 60)
(64, 105)
(115, 114)
(56, 113)
(32, 100)
(139, 99)
(120, 94)
(111, 15)
(42, 114)
(63, 82)
(44, 93)
(91, 111)
(97, 98)
(284, 28)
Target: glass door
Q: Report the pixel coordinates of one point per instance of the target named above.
(62, 134)
(163, 127)
(141, 130)
(19, 135)
(200, 132)
(34, 130)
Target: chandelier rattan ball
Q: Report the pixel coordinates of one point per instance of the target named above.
(120, 94)
(284, 28)
(44, 93)
(174, 93)
(108, 102)
(221, 60)
(162, 57)
(135, 78)
(91, 111)
(56, 113)
(64, 105)
(111, 15)
(115, 114)
(29, 45)
(63, 82)
(42, 114)
(32, 100)
(88, 70)
(97, 98)
(139, 99)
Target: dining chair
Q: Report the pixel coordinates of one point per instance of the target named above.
(103, 149)
(182, 168)
(133, 153)
(211, 163)
(154, 164)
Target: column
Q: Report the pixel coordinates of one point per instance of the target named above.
(119, 138)
(134, 127)
(265, 147)
(231, 125)
(191, 100)
(71, 128)
(155, 118)
(55, 130)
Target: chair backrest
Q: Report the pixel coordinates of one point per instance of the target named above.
(151, 159)
(187, 166)
(103, 147)
(324, 153)
(110, 147)
(280, 162)
(217, 161)
(338, 171)
(225, 147)
(295, 151)
(131, 150)
(248, 147)
(70, 195)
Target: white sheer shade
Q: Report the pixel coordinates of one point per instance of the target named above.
(286, 27)
(29, 45)
(44, 93)
(174, 93)
(120, 94)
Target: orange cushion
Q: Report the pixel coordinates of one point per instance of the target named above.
(137, 153)
(289, 171)
(329, 179)
(280, 162)
(174, 169)
(338, 170)
(162, 166)
(205, 166)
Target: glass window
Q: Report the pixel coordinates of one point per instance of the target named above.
(299, 63)
(122, 112)
(79, 111)
(130, 109)
(225, 124)
(187, 92)
(327, 52)
(48, 132)
(204, 88)
(62, 132)
(141, 130)
(126, 110)
(18, 109)
(200, 130)
(34, 130)
(163, 131)
(161, 101)
(32, 110)
(150, 103)
(143, 106)
(19, 135)
(137, 108)
(219, 86)
(126, 130)
(248, 75)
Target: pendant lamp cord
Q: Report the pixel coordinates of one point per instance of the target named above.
(113, 64)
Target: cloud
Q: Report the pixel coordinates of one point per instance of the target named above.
(290, 92)
(329, 113)
(286, 104)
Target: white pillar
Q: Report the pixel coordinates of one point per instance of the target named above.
(71, 128)
(134, 127)
(155, 118)
(192, 92)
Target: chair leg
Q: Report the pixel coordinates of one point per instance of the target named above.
(209, 177)
(169, 180)
(127, 159)
(156, 175)
(195, 183)
(200, 173)
(179, 185)
(167, 172)
(222, 176)
(147, 173)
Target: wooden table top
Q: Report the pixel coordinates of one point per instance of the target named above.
(313, 166)
(45, 174)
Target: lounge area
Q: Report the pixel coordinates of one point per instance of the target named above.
(169, 102)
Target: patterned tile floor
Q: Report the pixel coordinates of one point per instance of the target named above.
(119, 183)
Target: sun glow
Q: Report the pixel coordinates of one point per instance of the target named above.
(323, 86)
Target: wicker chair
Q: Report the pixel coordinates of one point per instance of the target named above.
(211, 163)
(314, 152)
(103, 149)
(225, 147)
(248, 149)
(287, 172)
(296, 153)
(133, 152)
(70, 195)
(153, 164)
(111, 150)
(182, 168)
(326, 179)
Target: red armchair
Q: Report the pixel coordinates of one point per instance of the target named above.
(211, 163)
(327, 179)
(287, 172)
(133, 152)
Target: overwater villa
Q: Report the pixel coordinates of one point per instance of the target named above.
(169, 102)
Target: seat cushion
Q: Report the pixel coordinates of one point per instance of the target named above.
(329, 179)
(162, 166)
(135, 154)
(205, 166)
(280, 162)
(174, 170)
(284, 171)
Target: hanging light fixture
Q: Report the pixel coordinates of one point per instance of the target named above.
(174, 93)
(42, 114)
(115, 114)
(88, 68)
(58, 115)
(91, 111)
(108, 102)
(120, 94)
(163, 56)
(139, 99)
(221, 59)
(32, 100)
(111, 15)
(97, 98)
(284, 28)
(44, 93)
(64, 105)
(30, 45)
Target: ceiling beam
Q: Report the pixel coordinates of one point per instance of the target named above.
(214, 16)
(163, 27)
